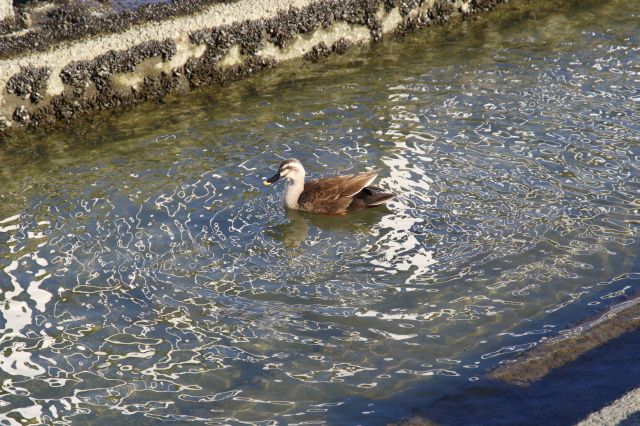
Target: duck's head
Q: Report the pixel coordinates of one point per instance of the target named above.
(291, 169)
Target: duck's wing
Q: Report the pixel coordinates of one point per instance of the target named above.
(334, 194)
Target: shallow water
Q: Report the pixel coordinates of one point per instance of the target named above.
(147, 275)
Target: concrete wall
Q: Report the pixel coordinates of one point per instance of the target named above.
(57, 72)
(6, 9)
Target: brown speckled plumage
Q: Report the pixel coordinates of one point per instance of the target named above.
(332, 195)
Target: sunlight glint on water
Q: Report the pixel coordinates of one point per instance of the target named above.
(152, 277)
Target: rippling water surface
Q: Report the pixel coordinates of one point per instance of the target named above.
(147, 276)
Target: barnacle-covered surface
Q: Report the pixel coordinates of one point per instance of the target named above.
(96, 61)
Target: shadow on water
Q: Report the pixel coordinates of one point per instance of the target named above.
(563, 397)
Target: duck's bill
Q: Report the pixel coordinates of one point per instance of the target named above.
(272, 179)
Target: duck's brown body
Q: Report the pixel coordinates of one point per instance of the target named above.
(333, 195)
(337, 195)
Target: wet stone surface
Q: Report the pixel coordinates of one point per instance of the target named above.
(72, 22)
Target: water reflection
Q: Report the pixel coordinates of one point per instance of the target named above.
(294, 232)
(151, 280)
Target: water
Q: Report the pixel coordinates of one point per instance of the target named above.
(148, 276)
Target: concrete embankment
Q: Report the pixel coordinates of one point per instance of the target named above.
(6, 9)
(617, 412)
(60, 62)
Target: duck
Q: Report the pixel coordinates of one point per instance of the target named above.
(334, 195)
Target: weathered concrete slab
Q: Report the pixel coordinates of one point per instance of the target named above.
(72, 62)
(6, 9)
(615, 413)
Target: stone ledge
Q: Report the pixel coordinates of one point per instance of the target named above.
(219, 43)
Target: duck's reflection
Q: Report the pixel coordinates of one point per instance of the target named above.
(296, 230)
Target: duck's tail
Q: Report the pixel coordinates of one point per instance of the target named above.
(370, 196)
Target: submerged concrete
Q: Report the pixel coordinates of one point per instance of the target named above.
(570, 394)
(570, 344)
(74, 62)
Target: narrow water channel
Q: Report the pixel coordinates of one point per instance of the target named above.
(146, 275)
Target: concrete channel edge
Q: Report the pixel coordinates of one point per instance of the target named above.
(220, 42)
